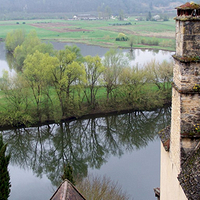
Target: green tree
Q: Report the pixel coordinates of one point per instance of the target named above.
(17, 105)
(94, 70)
(4, 174)
(14, 39)
(15, 90)
(37, 69)
(131, 42)
(133, 81)
(114, 62)
(74, 49)
(161, 74)
(29, 46)
(69, 72)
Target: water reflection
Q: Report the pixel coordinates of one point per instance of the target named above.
(11, 61)
(83, 143)
(2, 51)
(137, 56)
(144, 56)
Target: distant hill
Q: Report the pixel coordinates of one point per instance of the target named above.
(78, 6)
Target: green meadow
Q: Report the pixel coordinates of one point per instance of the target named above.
(99, 32)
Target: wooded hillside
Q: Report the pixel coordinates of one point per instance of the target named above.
(77, 6)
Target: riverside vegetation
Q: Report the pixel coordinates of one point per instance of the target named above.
(52, 85)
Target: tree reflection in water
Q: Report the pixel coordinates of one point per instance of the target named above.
(84, 143)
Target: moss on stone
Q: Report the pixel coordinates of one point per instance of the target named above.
(187, 58)
(187, 18)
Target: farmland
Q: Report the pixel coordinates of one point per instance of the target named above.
(99, 32)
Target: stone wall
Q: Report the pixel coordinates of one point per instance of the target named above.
(190, 114)
(186, 75)
(188, 37)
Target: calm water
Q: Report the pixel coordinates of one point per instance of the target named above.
(138, 56)
(123, 147)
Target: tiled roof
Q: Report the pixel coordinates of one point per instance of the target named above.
(67, 191)
(189, 177)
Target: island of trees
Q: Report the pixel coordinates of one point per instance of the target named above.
(51, 85)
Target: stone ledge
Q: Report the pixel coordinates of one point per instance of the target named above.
(187, 18)
(184, 91)
(190, 135)
(187, 59)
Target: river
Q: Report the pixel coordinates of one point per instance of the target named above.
(137, 56)
(124, 147)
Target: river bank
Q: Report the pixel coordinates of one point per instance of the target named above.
(97, 113)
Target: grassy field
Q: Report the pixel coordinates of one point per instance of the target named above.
(101, 95)
(98, 32)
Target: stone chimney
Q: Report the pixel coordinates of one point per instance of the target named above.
(188, 30)
(186, 77)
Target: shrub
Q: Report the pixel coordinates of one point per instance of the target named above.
(95, 187)
(167, 43)
(153, 41)
(121, 37)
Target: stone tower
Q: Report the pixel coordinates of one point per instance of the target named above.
(180, 157)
